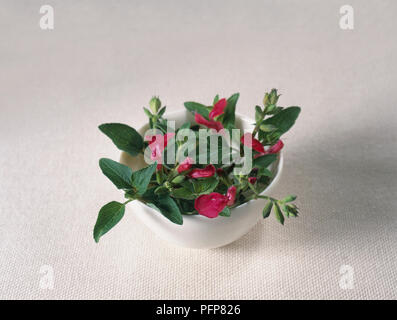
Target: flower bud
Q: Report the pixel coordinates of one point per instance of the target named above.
(252, 180)
(266, 100)
(273, 97)
(155, 104)
(293, 210)
(168, 185)
(178, 179)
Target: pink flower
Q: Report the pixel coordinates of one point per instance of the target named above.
(252, 180)
(157, 145)
(208, 171)
(255, 144)
(248, 140)
(185, 165)
(212, 124)
(210, 205)
(218, 108)
(275, 148)
(231, 195)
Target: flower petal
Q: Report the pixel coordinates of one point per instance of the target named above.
(231, 195)
(208, 123)
(208, 171)
(218, 108)
(248, 140)
(185, 165)
(252, 180)
(157, 144)
(210, 205)
(168, 137)
(276, 147)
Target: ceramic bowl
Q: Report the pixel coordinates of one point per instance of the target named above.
(199, 231)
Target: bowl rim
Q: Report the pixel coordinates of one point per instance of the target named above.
(278, 166)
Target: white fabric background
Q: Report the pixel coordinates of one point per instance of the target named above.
(104, 61)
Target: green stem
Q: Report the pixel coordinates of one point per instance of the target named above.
(225, 181)
(257, 195)
(254, 132)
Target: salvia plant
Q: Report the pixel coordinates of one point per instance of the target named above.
(206, 167)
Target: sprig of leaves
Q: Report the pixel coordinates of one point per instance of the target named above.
(156, 120)
(134, 184)
(279, 120)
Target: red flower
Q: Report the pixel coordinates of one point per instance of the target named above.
(157, 145)
(255, 144)
(249, 141)
(275, 148)
(185, 165)
(218, 108)
(210, 205)
(252, 180)
(208, 171)
(212, 124)
(231, 195)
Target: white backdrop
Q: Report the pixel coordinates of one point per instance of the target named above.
(103, 62)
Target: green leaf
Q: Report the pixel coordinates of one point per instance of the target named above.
(109, 215)
(188, 184)
(258, 114)
(186, 125)
(284, 119)
(278, 213)
(289, 198)
(225, 212)
(265, 172)
(264, 161)
(118, 173)
(267, 128)
(147, 112)
(178, 179)
(267, 209)
(161, 190)
(216, 99)
(270, 108)
(187, 206)
(130, 194)
(140, 179)
(204, 185)
(292, 209)
(183, 193)
(165, 205)
(161, 112)
(124, 137)
(197, 107)
(284, 209)
(229, 117)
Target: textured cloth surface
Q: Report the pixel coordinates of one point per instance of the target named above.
(103, 62)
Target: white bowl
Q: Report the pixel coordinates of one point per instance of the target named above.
(199, 231)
